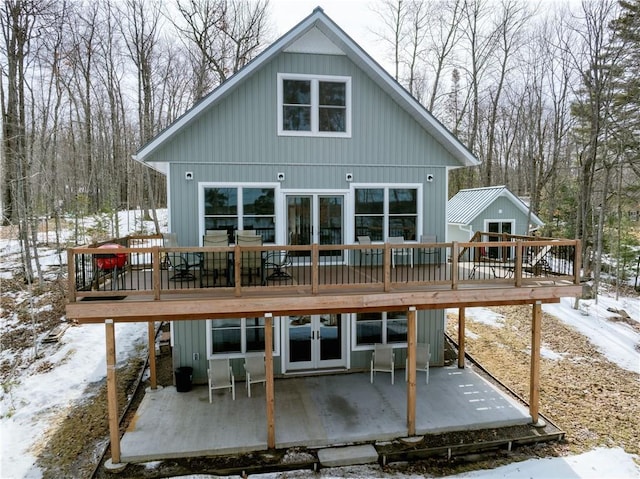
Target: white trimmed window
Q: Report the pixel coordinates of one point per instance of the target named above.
(313, 105)
(240, 208)
(381, 212)
(375, 327)
(235, 337)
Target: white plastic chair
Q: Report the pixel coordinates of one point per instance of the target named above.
(221, 377)
(382, 360)
(255, 370)
(423, 356)
(404, 252)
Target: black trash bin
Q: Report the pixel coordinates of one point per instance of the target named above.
(183, 379)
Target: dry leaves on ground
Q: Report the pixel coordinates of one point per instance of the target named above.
(592, 399)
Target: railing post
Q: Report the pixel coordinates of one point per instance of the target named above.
(517, 270)
(577, 262)
(454, 265)
(157, 273)
(315, 268)
(71, 262)
(237, 274)
(387, 267)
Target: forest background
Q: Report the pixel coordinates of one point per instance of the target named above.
(545, 94)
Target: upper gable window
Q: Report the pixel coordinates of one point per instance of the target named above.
(311, 105)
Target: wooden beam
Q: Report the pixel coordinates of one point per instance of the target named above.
(151, 332)
(461, 336)
(200, 307)
(534, 389)
(411, 370)
(112, 393)
(268, 359)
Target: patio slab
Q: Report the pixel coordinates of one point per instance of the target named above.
(315, 411)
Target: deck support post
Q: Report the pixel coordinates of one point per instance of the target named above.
(411, 370)
(461, 335)
(534, 389)
(270, 390)
(152, 355)
(112, 394)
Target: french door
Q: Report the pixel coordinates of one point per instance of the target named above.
(315, 342)
(505, 227)
(315, 218)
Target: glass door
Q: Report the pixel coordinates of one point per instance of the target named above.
(315, 342)
(505, 227)
(315, 218)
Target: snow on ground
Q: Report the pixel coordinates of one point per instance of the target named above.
(30, 405)
(37, 399)
(616, 340)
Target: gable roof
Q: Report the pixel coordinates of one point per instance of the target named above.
(336, 36)
(467, 204)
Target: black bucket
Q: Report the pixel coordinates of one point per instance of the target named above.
(183, 379)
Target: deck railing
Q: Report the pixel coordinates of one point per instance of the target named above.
(145, 267)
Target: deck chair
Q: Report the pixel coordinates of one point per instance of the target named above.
(251, 261)
(368, 253)
(277, 262)
(221, 377)
(255, 370)
(382, 360)
(403, 252)
(181, 263)
(215, 263)
(423, 356)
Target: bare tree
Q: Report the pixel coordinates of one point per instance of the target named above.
(224, 35)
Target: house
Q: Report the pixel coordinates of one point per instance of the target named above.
(494, 209)
(312, 142)
(340, 174)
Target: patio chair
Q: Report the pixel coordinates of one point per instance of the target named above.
(423, 356)
(221, 377)
(215, 263)
(278, 262)
(255, 370)
(403, 252)
(429, 255)
(382, 360)
(251, 261)
(181, 263)
(368, 253)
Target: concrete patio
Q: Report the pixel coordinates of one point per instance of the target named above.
(314, 411)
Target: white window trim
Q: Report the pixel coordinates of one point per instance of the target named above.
(369, 347)
(243, 340)
(314, 79)
(385, 222)
(204, 185)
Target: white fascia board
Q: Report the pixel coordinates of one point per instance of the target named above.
(522, 206)
(226, 87)
(400, 95)
(357, 55)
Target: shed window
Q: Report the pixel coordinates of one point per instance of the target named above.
(314, 105)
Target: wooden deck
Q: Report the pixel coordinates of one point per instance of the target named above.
(315, 279)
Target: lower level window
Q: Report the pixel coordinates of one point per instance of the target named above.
(237, 336)
(385, 328)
